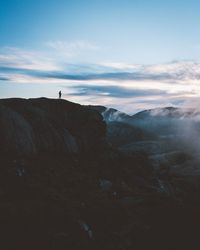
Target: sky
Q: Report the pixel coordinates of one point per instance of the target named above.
(130, 55)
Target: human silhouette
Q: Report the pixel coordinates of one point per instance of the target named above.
(60, 94)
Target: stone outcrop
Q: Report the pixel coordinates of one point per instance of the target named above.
(32, 126)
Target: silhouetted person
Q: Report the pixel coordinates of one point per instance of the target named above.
(60, 94)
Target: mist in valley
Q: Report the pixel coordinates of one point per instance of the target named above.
(169, 136)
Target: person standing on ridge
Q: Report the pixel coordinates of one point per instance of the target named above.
(60, 94)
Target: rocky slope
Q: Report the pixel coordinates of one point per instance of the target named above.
(62, 186)
(45, 125)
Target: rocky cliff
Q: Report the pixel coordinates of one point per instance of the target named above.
(62, 187)
(41, 125)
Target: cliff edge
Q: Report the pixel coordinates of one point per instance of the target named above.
(33, 126)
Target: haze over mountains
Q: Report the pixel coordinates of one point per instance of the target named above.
(161, 133)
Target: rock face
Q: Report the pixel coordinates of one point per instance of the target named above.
(29, 127)
(75, 192)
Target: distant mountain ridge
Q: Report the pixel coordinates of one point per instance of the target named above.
(111, 114)
(154, 130)
(171, 112)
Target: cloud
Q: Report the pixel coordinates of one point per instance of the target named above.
(62, 45)
(36, 64)
(121, 85)
(4, 78)
(71, 48)
(113, 91)
(15, 58)
(175, 72)
(112, 76)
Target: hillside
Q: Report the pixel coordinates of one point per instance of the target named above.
(77, 177)
(34, 126)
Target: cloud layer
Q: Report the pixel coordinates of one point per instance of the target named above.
(129, 87)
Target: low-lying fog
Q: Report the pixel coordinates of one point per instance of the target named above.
(169, 136)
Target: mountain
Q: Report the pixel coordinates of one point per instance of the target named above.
(169, 112)
(167, 135)
(110, 114)
(87, 177)
(158, 112)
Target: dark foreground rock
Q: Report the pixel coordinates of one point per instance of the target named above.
(58, 195)
(47, 125)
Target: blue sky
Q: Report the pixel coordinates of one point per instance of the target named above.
(130, 54)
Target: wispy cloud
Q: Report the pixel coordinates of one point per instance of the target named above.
(113, 91)
(71, 48)
(2, 78)
(175, 72)
(16, 58)
(130, 86)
